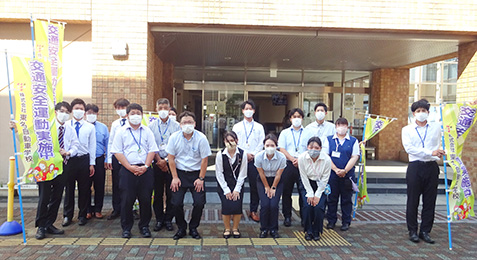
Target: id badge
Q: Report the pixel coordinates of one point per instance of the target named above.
(162, 147)
(335, 154)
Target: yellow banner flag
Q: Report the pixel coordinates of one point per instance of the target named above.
(35, 114)
(49, 46)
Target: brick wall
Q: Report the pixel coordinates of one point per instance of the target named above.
(389, 97)
(467, 91)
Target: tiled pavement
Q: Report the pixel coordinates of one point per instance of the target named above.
(376, 234)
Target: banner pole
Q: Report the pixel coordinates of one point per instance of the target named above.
(355, 208)
(12, 117)
(32, 34)
(445, 181)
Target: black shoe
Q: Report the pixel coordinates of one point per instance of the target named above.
(180, 234)
(263, 234)
(82, 221)
(126, 234)
(145, 232)
(274, 234)
(136, 215)
(308, 236)
(113, 215)
(316, 237)
(194, 233)
(287, 222)
(55, 231)
(344, 227)
(330, 226)
(413, 236)
(40, 233)
(169, 226)
(425, 236)
(158, 226)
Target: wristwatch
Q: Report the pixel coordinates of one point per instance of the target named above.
(274, 188)
(200, 178)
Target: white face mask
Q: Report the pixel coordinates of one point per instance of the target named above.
(270, 150)
(248, 113)
(121, 112)
(421, 117)
(341, 130)
(78, 113)
(91, 118)
(173, 118)
(135, 119)
(163, 114)
(62, 117)
(188, 129)
(296, 122)
(320, 115)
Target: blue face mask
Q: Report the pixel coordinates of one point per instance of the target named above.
(314, 153)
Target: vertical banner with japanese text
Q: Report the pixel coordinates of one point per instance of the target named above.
(35, 116)
(457, 120)
(49, 46)
(148, 118)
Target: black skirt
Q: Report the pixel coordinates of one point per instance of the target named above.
(230, 207)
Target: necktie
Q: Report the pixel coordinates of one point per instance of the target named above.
(61, 136)
(77, 128)
(123, 121)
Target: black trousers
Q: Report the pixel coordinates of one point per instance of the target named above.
(78, 172)
(269, 207)
(252, 174)
(115, 179)
(50, 194)
(290, 177)
(342, 190)
(187, 184)
(97, 181)
(421, 178)
(162, 182)
(132, 187)
(313, 215)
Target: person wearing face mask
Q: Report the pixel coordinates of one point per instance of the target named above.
(173, 114)
(320, 127)
(315, 168)
(188, 152)
(50, 192)
(421, 140)
(120, 106)
(270, 164)
(82, 166)
(250, 134)
(344, 152)
(134, 147)
(162, 130)
(98, 179)
(292, 143)
(230, 172)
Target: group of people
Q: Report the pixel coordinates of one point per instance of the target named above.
(164, 160)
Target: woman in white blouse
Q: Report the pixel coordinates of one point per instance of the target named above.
(231, 171)
(315, 169)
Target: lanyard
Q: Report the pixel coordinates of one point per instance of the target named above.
(294, 141)
(140, 136)
(425, 135)
(237, 155)
(245, 128)
(337, 143)
(165, 130)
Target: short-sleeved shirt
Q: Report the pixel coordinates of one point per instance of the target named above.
(134, 144)
(270, 167)
(295, 142)
(162, 131)
(115, 126)
(321, 130)
(326, 144)
(188, 153)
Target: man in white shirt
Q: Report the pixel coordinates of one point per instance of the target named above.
(421, 140)
(81, 166)
(120, 106)
(321, 128)
(250, 139)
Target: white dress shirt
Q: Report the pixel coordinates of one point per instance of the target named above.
(219, 170)
(188, 153)
(162, 131)
(326, 145)
(293, 141)
(250, 136)
(318, 171)
(420, 141)
(70, 140)
(134, 144)
(114, 128)
(87, 139)
(321, 130)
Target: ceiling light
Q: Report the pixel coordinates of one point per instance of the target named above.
(286, 60)
(227, 58)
